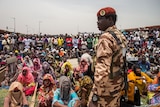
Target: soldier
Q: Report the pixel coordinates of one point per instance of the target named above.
(108, 81)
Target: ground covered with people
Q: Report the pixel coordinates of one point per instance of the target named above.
(42, 64)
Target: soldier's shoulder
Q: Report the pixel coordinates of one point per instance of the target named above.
(107, 36)
(122, 38)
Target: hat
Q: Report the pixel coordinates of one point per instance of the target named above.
(16, 51)
(62, 49)
(11, 53)
(106, 11)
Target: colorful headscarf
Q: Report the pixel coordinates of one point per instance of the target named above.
(45, 94)
(28, 78)
(39, 66)
(16, 97)
(49, 76)
(45, 65)
(83, 67)
(67, 64)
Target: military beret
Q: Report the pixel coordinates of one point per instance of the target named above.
(106, 11)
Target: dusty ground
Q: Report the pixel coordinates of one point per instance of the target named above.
(3, 92)
(74, 62)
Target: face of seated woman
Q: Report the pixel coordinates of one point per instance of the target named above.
(24, 72)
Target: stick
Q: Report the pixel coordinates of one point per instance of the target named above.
(33, 97)
(2, 73)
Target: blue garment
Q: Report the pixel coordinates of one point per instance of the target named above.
(1, 46)
(144, 66)
(73, 98)
(156, 98)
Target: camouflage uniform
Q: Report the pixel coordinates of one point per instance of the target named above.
(108, 90)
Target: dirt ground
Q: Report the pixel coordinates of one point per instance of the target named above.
(74, 62)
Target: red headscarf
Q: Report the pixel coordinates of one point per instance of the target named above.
(27, 79)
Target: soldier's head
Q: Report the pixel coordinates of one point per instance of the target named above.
(106, 18)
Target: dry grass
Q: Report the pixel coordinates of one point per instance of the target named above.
(3, 93)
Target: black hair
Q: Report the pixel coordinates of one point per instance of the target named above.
(136, 67)
(113, 16)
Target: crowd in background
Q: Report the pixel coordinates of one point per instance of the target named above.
(43, 60)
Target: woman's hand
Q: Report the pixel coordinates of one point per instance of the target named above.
(158, 88)
(93, 104)
(77, 103)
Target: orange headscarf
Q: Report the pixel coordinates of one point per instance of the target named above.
(45, 96)
(155, 81)
(49, 76)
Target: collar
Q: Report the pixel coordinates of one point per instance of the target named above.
(112, 28)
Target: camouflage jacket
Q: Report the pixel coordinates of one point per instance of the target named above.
(105, 49)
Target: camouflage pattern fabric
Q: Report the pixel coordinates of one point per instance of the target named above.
(108, 90)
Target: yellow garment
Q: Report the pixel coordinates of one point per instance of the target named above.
(31, 84)
(67, 64)
(60, 41)
(16, 51)
(150, 95)
(131, 90)
(139, 83)
(64, 67)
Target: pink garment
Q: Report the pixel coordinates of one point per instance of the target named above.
(83, 66)
(26, 80)
(29, 91)
(18, 57)
(38, 66)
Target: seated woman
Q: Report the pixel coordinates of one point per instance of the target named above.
(85, 68)
(65, 96)
(83, 65)
(28, 61)
(86, 84)
(27, 80)
(37, 68)
(46, 68)
(154, 90)
(46, 91)
(67, 69)
(76, 80)
(16, 96)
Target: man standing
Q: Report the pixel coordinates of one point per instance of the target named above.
(6, 43)
(108, 81)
